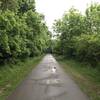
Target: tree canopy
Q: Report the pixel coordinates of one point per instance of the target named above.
(80, 34)
(23, 31)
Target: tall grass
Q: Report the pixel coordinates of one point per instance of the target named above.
(12, 75)
(85, 76)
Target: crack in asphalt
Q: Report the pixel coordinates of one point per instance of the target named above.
(48, 82)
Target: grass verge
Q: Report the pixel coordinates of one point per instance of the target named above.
(12, 75)
(86, 77)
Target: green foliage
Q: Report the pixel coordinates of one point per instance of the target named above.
(23, 32)
(9, 5)
(86, 77)
(25, 5)
(11, 75)
(70, 25)
(93, 18)
(88, 48)
(80, 37)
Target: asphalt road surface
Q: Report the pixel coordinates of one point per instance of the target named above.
(48, 81)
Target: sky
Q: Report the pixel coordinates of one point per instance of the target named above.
(54, 9)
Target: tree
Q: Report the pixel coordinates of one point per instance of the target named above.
(93, 18)
(23, 33)
(80, 34)
(25, 5)
(9, 5)
(69, 26)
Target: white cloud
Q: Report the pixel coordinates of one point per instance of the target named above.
(54, 9)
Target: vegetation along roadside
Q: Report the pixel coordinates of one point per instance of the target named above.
(12, 75)
(86, 77)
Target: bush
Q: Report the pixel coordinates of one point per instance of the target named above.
(88, 48)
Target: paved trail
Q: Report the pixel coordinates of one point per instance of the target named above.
(46, 83)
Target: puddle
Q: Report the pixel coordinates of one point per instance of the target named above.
(52, 81)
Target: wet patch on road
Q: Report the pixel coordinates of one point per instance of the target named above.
(48, 82)
(54, 86)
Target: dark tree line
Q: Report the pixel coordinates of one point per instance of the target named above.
(79, 35)
(23, 32)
